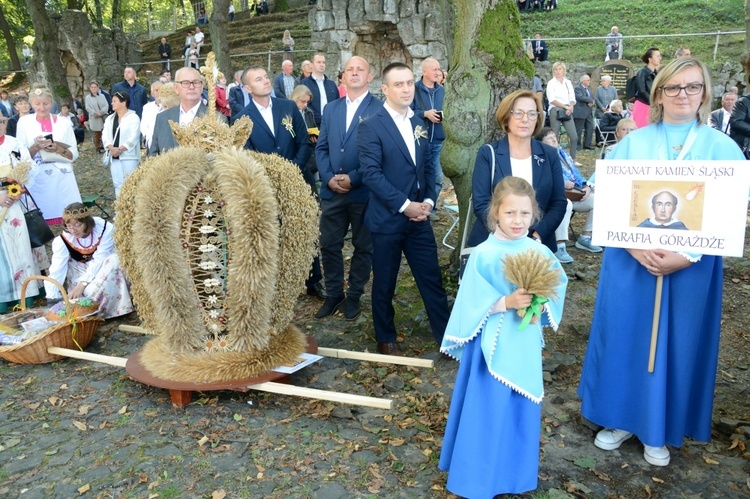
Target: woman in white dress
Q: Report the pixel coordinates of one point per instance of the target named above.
(85, 261)
(17, 261)
(52, 144)
(122, 138)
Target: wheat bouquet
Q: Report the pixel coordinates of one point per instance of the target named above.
(536, 273)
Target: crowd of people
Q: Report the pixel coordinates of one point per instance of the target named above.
(375, 167)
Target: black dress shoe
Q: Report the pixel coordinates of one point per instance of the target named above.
(318, 290)
(351, 308)
(330, 306)
(589, 148)
(389, 349)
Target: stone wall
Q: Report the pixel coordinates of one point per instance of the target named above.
(380, 31)
(88, 54)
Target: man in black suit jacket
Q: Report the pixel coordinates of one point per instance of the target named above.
(539, 47)
(238, 99)
(323, 89)
(582, 112)
(284, 82)
(396, 167)
(719, 119)
(188, 86)
(165, 53)
(342, 193)
(278, 128)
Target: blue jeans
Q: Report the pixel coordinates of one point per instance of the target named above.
(435, 148)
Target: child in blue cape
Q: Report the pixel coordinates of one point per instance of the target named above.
(491, 443)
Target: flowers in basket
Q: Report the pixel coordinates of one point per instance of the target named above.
(535, 273)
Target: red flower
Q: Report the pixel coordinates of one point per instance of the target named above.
(16, 222)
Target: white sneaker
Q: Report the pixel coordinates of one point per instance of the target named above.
(657, 456)
(577, 163)
(563, 256)
(611, 439)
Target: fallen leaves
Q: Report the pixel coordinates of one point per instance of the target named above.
(83, 410)
(218, 494)
(81, 426)
(708, 460)
(84, 489)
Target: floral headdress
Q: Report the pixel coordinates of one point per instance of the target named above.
(76, 213)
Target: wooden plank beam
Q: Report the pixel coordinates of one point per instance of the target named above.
(94, 357)
(134, 329)
(313, 393)
(374, 357)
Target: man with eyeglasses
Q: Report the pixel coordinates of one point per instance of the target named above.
(188, 86)
(135, 90)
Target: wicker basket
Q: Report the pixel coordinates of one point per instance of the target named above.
(75, 335)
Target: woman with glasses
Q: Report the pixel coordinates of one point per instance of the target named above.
(122, 138)
(52, 144)
(616, 389)
(85, 262)
(517, 154)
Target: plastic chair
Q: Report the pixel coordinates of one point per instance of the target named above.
(607, 137)
(452, 212)
(91, 200)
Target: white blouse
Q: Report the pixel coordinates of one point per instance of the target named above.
(560, 92)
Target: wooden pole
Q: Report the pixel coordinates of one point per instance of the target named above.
(335, 353)
(134, 329)
(94, 357)
(655, 323)
(313, 393)
(374, 357)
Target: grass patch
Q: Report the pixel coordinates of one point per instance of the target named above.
(585, 18)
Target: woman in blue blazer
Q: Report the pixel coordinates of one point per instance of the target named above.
(517, 154)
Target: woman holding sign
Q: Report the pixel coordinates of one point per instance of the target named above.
(617, 389)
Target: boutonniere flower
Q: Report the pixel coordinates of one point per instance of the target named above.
(538, 159)
(287, 122)
(419, 133)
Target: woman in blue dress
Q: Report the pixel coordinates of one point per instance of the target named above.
(491, 443)
(616, 389)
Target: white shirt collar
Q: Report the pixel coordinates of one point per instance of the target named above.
(396, 115)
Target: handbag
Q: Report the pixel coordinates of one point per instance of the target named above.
(106, 158)
(562, 115)
(39, 232)
(463, 256)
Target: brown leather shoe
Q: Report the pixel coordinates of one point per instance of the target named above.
(389, 349)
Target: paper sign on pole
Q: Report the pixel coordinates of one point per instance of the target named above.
(688, 206)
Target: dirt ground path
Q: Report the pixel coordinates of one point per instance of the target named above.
(73, 428)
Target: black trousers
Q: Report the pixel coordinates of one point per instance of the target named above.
(338, 214)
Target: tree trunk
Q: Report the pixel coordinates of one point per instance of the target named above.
(46, 66)
(116, 24)
(219, 41)
(488, 63)
(98, 14)
(10, 42)
(747, 25)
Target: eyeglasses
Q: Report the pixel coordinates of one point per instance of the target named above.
(518, 114)
(189, 83)
(674, 90)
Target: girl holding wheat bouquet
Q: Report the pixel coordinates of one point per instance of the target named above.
(491, 443)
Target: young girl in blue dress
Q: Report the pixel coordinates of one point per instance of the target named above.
(491, 443)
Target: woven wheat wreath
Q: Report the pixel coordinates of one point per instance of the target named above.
(217, 242)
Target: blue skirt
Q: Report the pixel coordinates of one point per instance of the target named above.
(491, 443)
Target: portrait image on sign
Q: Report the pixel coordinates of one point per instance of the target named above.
(675, 205)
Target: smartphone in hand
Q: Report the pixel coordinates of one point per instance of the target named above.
(440, 115)
(49, 137)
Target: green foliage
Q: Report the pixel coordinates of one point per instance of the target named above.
(585, 18)
(498, 36)
(280, 6)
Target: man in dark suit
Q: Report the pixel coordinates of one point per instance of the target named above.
(396, 167)
(278, 128)
(165, 53)
(323, 89)
(539, 47)
(135, 90)
(284, 82)
(582, 112)
(188, 86)
(342, 193)
(238, 100)
(719, 119)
